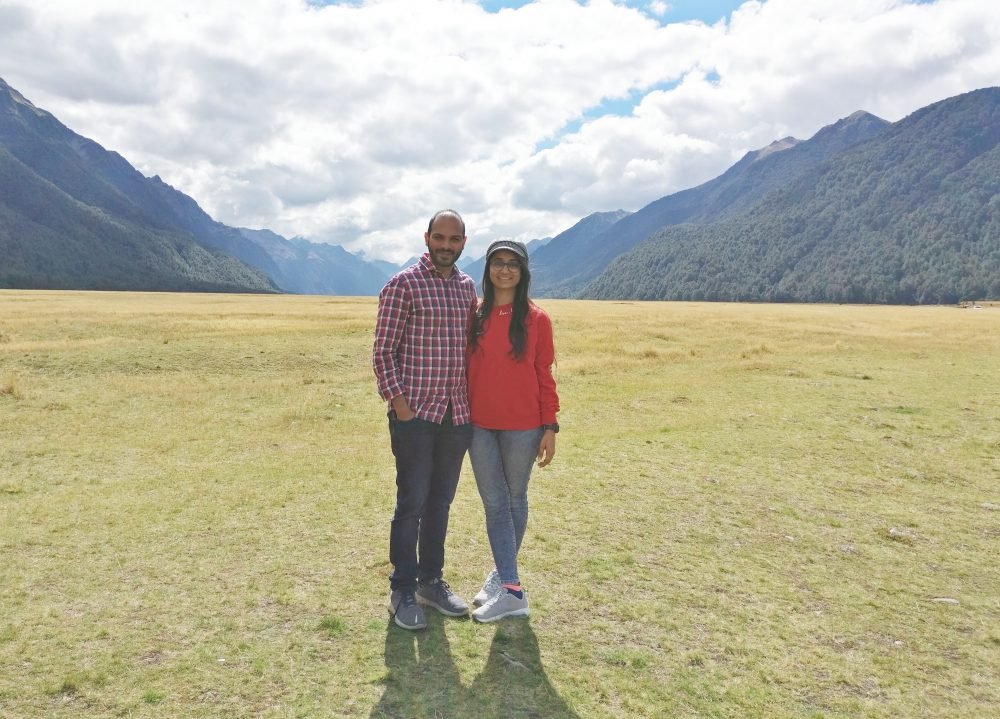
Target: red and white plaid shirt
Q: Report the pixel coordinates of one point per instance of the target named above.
(421, 334)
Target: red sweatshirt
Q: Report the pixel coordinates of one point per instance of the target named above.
(509, 394)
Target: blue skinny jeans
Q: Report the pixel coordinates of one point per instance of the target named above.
(502, 462)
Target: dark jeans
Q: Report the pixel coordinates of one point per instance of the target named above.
(428, 463)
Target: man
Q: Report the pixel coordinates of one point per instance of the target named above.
(419, 360)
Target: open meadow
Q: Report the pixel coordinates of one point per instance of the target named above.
(754, 511)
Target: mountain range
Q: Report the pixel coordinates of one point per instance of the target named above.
(565, 269)
(910, 215)
(863, 211)
(76, 216)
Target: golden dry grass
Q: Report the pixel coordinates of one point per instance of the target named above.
(755, 511)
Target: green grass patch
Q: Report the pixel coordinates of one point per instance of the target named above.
(333, 626)
(153, 697)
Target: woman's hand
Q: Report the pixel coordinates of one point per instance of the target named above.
(547, 448)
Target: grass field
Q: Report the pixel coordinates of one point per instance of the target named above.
(754, 511)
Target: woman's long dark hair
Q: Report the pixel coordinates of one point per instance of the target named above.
(518, 318)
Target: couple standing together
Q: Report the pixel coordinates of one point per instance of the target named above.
(462, 375)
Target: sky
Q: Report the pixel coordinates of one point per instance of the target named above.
(352, 122)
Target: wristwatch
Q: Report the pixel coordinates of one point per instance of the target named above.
(554, 427)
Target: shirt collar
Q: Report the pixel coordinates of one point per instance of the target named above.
(425, 262)
(428, 266)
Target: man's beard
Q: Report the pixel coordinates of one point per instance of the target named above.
(445, 258)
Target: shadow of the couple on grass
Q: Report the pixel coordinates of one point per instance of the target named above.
(423, 680)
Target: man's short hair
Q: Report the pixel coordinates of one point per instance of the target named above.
(439, 213)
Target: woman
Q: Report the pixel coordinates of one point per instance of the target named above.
(513, 400)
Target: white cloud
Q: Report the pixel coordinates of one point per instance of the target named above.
(354, 122)
(659, 8)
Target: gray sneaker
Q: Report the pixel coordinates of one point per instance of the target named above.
(436, 593)
(502, 604)
(404, 609)
(490, 587)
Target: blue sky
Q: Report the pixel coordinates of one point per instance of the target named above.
(351, 122)
(708, 11)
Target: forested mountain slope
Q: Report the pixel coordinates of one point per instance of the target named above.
(911, 216)
(73, 215)
(565, 267)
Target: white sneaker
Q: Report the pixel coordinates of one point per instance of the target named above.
(503, 604)
(490, 587)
